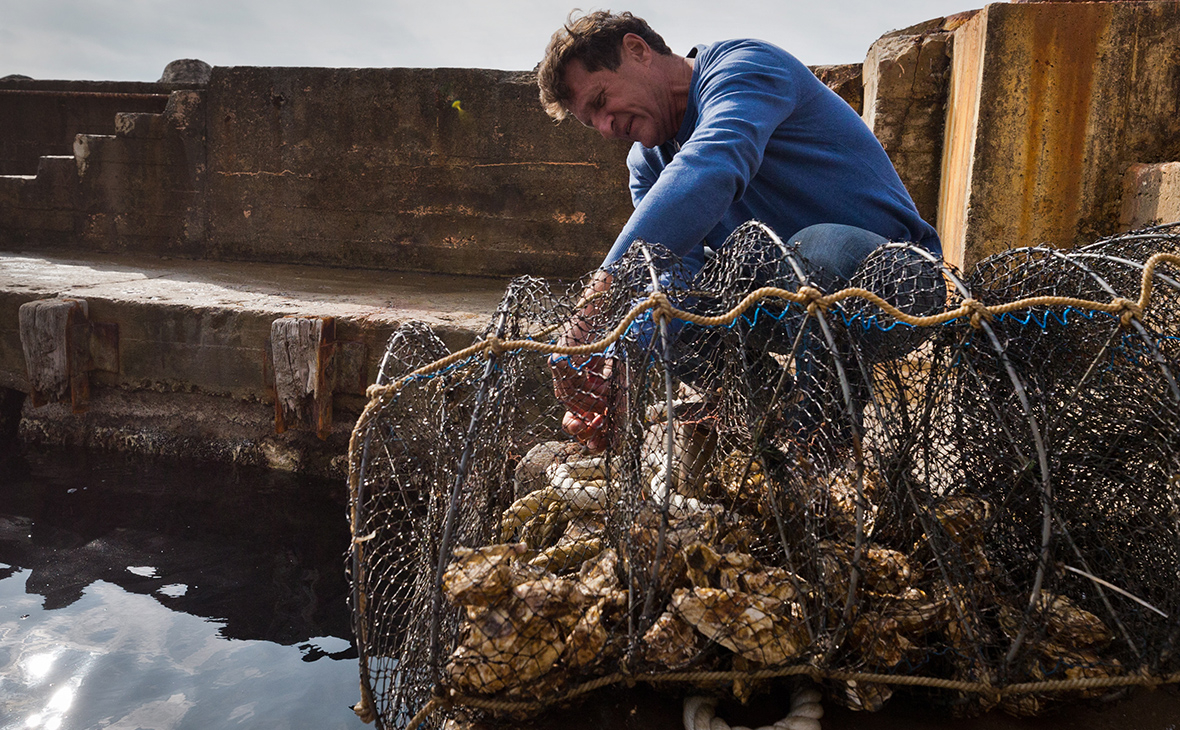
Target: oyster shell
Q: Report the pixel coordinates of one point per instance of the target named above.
(505, 646)
(1066, 626)
(585, 643)
(568, 554)
(742, 624)
(551, 596)
(964, 517)
(842, 499)
(749, 489)
(670, 642)
(879, 640)
(914, 611)
(883, 570)
(479, 576)
(599, 575)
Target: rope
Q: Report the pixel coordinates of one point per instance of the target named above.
(817, 674)
(805, 713)
(813, 300)
(979, 312)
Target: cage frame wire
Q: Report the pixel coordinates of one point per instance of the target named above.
(817, 304)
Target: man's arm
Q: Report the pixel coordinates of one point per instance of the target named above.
(743, 97)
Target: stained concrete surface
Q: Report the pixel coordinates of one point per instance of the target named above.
(190, 374)
(272, 288)
(226, 307)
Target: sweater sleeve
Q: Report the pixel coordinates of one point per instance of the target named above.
(742, 98)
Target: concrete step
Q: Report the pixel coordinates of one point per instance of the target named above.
(176, 347)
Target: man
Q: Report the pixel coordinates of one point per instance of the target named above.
(735, 131)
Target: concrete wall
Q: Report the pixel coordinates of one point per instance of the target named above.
(1051, 103)
(454, 170)
(137, 189)
(41, 117)
(439, 170)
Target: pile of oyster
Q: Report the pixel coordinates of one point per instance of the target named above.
(557, 602)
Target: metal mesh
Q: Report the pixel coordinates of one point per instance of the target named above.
(981, 510)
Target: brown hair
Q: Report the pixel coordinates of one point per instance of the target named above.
(595, 39)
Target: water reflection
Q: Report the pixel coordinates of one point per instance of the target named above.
(142, 595)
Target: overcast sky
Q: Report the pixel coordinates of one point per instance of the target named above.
(133, 40)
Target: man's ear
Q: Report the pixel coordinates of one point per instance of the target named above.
(637, 48)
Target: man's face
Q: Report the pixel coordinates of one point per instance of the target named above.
(632, 102)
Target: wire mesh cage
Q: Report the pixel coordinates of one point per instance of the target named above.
(959, 486)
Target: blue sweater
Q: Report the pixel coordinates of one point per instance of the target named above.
(763, 138)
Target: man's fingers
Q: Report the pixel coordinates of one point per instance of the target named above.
(572, 424)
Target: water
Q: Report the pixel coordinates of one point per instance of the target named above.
(137, 594)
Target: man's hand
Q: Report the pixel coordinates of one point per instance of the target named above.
(583, 383)
(585, 391)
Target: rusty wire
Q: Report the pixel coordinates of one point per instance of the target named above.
(925, 482)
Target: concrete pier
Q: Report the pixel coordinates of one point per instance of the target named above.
(193, 372)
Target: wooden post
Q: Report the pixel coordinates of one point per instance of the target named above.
(302, 354)
(55, 338)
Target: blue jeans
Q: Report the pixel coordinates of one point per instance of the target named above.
(828, 257)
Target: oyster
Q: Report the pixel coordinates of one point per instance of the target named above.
(568, 554)
(914, 611)
(585, 643)
(1066, 626)
(742, 624)
(707, 568)
(479, 576)
(883, 570)
(964, 517)
(670, 642)
(599, 575)
(737, 571)
(748, 489)
(551, 596)
(775, 587)
(506, 646)
(842, 500)
(879, 640)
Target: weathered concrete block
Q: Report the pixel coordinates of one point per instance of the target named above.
(1151, 195)
(139, 125)
(187, 71)
(844, 79)
(906, 77)
(1050, 104)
